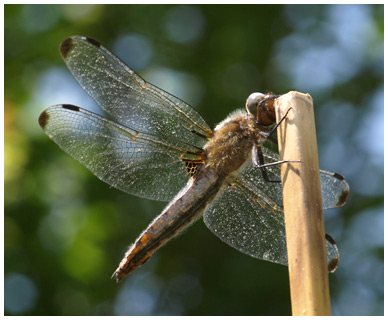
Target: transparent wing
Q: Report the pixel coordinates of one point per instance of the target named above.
(134, 162)
(243, 217)
(248, 214)
(129, 99)
(335, 190)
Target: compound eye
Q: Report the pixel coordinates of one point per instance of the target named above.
(252, 101)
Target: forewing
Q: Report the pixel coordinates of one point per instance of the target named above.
(248, 215)
(134, 162)
(128, 98)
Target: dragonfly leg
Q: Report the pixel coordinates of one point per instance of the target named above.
(258, 162)
(268, 135)
(257, 153)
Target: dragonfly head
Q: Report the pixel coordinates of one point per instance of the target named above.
(261, 107)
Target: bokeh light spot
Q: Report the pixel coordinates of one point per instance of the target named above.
(184, 24)
(20, 294)
(134, 49)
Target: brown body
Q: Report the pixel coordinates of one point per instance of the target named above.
(153, 134)
(228, 149)
(232, 142)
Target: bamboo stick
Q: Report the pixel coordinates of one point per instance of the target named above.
(302, 202)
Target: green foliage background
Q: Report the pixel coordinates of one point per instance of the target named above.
(66, 231)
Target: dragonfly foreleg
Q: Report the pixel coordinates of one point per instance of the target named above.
(268, 135)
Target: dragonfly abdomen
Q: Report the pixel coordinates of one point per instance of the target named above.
(184, 209)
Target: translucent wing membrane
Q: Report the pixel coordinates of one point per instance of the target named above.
(138, 163)
(248, 213)
(129, 99)
(335, 190)
(153, 144)
(248, 221)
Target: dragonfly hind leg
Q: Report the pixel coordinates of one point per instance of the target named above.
(258, 162)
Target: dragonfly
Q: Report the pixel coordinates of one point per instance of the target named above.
(156, 146)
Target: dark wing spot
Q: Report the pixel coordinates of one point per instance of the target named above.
(70, 107)
(332, 264)
(93, 42)
(330, 239)
(65, 47)
(43, 118)
(338, 176)
(342, 198)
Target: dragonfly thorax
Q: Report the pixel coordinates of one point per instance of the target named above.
(231, 144)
